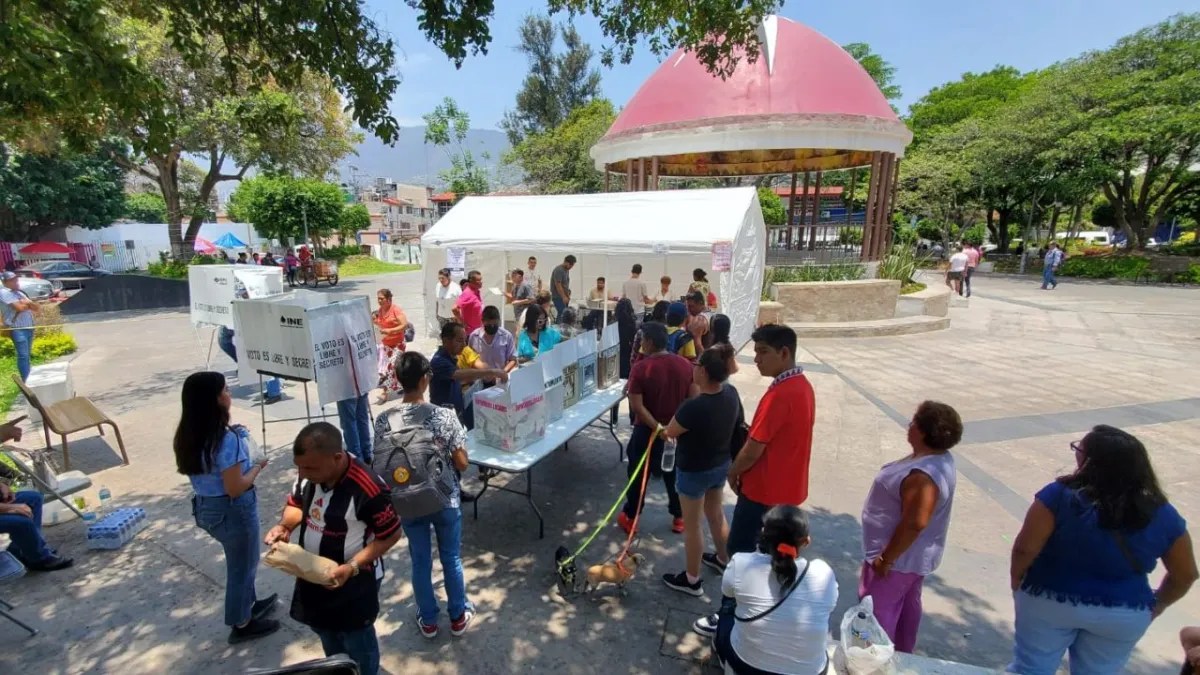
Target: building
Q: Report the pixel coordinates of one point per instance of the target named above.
(442, 202)
(401, 212)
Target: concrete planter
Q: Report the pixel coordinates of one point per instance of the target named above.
(769, 312)
(933, 301)
(836, 301)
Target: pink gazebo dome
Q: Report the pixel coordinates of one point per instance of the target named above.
(805, 104)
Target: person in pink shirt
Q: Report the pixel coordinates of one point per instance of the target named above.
(469, 309)
(973, 256)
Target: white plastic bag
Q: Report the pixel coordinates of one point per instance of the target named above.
(873, 653)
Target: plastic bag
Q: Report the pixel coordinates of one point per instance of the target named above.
(298, 562)
(864, 648)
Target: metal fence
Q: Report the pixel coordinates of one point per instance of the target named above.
(401, 254)
(829, 240)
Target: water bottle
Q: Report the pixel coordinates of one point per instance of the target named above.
(105, 501)
(860, 629)
(668, 458)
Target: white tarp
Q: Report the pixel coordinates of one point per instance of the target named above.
(668, 232)
(309, 336)
(213, 288)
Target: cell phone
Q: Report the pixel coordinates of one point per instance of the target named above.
(20, 419)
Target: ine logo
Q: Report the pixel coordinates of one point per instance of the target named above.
(290, 322)
(221, 281)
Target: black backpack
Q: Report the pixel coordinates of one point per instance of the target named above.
(418, 472)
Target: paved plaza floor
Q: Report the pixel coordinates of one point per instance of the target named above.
(1029, 370)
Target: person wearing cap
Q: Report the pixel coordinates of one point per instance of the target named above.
(679, 341)
(17, 310)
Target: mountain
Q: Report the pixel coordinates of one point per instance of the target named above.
(411, 160)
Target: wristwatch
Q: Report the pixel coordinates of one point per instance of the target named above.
(354, 566)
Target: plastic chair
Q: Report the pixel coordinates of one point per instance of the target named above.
(68, 417)
(11, 569)
(338, 664)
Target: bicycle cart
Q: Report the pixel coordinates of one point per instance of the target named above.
(314, 272)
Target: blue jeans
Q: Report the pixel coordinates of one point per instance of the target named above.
(354, 414)
(234, 523)
(559, 306)
(746, 526)
(694, 484)
(22, 342)
(26, 533)
(634, 451)
(1099, 639)
(225, 342)
(447, 524)
(1048, 276)
(362, 645)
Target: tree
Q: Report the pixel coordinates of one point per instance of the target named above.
(447, 127)
(280, 207)
(774, 215)
(233, 125)
(974, 95)
(557, 161)
(145, 207)
(42, 192)
(354, 219)
(63, 66)
(556, 84)
(880, 70)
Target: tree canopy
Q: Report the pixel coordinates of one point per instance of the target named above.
(41, 192)
(774, 215)
(446, 127)
(556, 161)
(280, 206)
(880, 70)
(145, 207)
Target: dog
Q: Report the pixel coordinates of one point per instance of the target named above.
(613, 573)
(567, 574)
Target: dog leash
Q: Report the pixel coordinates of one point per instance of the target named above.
(637, 515)
(608, 517)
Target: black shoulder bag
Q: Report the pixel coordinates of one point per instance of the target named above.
(729, 605)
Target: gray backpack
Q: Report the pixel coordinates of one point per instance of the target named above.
(418, 472)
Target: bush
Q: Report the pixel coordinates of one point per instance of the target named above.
(850, 236)
(1104, 266)
(171, 269)
(899, 264)
(45, 348)
(839, 271)
(976, 234)
(340, 253)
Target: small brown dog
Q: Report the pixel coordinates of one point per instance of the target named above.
(613, 573)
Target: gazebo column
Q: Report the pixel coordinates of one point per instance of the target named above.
(870, 225)
(791, 217)
(800, 229)
(653, 173)
(884, 205)
(641, 174)
(816, 213)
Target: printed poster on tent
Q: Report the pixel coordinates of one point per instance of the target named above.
(722, 256)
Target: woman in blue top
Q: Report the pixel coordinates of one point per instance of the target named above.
(1080, 564)
(538, 336)
(216, 458)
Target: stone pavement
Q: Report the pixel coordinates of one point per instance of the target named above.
(1029, 370)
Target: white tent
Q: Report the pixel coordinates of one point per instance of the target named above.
(669, 232)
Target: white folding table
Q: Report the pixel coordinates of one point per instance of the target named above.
(492, 461)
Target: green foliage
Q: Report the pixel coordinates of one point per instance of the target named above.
(363, 265)
(838, 271)
(881, 71)
(899, 264)
(341, 253)
(45, 347)
(974, 95)
(355, 218)
(171, 269)
(975, 235)
(556, 85)
(557, 161)
(145, 207)
(1104, 267)
(928, 229)
(447, 127)
(774, 215)
(41, 192)
(850, 236)
(279, 206)
(912, 287)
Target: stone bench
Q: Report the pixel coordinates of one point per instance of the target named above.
(933, 301)
(837, 301)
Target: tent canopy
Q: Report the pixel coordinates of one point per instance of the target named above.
(227, 240)
(668, 232)
(46, 248)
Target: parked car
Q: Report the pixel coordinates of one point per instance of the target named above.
(58, 269)
(39, 289)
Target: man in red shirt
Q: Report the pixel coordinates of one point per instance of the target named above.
(469, 309)
(974, 254)
(772, 467)
(659, 382)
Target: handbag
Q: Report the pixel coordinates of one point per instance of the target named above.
(729, 605)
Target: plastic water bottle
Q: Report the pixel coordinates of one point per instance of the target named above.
(860, 628)
(668, 458)
(105, 501)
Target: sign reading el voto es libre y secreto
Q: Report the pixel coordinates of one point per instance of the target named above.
(213, 288)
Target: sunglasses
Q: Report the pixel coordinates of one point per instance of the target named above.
(1077, 446)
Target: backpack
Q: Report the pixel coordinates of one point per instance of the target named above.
(417, 471)
(678, 340)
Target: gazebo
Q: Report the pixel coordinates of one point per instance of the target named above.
(804, 107)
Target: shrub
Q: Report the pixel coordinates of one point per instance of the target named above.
(171, 269)
(1104, 267)
(850, 236)
(839, 271)
(45, 348)
(340, 253)
(899, 264)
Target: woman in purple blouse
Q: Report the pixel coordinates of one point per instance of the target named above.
(905, 521)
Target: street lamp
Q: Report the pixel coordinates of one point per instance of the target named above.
(304, 213)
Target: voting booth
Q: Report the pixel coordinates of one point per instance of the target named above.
(213, 288)
(309, 337)
(512, 415)
(667, 232)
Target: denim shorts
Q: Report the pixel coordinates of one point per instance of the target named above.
(693, 484)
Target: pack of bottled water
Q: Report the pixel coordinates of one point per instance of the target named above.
(115, 529)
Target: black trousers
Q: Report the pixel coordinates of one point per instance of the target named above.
(634, 451)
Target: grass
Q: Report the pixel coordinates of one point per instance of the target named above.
(912, 287)
(361, 265)
(8, 388)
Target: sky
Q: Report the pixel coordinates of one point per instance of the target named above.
(930, 42)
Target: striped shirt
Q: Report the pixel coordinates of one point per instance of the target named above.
(338, 523)
(13, 318)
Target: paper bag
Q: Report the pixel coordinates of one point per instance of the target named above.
(510, 417)
(552, 378)
(587, 364)
(570, 371)
(294, 560)
(609, 367)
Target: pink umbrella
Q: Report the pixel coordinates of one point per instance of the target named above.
(203, 245)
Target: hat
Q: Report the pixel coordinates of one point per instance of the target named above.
(676, 313)
(5, 276)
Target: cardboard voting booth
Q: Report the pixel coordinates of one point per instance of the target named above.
(213, 288)
(309, 336)
(552, 378)
(609, 366)
(569, 354)
(587, 363)
(513, 415)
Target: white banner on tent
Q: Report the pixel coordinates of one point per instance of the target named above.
(213, 288)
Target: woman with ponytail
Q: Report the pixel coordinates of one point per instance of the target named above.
(775, 612)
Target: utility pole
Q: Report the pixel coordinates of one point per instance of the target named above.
(304, 213)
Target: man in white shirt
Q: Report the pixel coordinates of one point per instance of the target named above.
(958, 267)
(635, 289)
(447, 297)
(532, 277)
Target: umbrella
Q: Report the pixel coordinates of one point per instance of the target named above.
(227, 240)
(203, 245)
(46, 248)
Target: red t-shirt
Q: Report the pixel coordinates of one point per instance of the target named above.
(664, 380)
(471, 306)
(784, 423)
